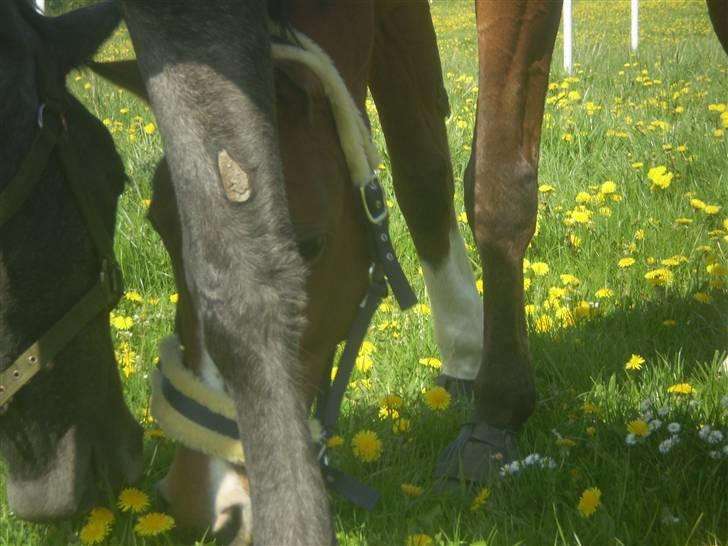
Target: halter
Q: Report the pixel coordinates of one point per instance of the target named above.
(52, 136)
(202, 418)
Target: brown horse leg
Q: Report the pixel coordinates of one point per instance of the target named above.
(718, 10)
(515, 45)
(406, 83)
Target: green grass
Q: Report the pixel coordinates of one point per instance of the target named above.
(586, 395)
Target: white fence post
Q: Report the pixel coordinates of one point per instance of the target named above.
(635, 24)
(568, 42)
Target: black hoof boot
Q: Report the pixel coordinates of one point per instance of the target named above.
(477, 454)
(459, 389)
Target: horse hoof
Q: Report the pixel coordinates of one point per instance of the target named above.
(477, 454)
(459, 389)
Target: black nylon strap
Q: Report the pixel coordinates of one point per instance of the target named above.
(20, 187)
(331, 404)
(381, 249)
(39, 355)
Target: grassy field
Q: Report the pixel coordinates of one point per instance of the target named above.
(626, 298)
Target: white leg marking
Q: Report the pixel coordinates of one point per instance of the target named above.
(226, 490)
(457, 311)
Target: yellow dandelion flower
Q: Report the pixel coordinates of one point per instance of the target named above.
(422, 309)
(637, 165)
(718, 133)
(419, 540)
(604, 293)
(546, 188)
(660, 177)
(401, 425)
(101, 515)
(94, 532)
(134, 296)
(526, 283)
(590, 408)
(702, 297)
(132, 499)
(624, 263)
(683, 221)
(711, 209)
(174, 298)
(431, 362)
(583, 309)
(581, 216)
(153, 524)
(480, 499)
(540, 268)
(463, 218)
(367, 348)
(697, 204)
(411, 490)
(634, 363)
(479, 286)
(681, 388)
(364, 363)
(638, 427)
(544, 324)
(334, 441)
(150, 128)
(568, 279)
(608, 187)
(582, 197)
(121, 322)
(659, 277)
(719, 107)
(589, 501)
(437, 398)
(366, 446)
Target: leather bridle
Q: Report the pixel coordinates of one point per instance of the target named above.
(52, 137)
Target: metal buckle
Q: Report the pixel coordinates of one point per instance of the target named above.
(41, 116)
(373, 183)
(110, 277)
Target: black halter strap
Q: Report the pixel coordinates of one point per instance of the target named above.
(52, 136)
(384, 271)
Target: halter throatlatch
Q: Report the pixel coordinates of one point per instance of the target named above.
(52, 136)
(180, 402)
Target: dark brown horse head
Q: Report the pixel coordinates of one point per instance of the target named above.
(70, 419)
(200, 491)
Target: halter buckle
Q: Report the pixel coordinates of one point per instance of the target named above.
(110, 277)
(41, 118)
(372, 197)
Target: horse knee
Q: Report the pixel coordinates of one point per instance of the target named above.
(505, 208)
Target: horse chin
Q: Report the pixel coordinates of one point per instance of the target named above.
(62, 490)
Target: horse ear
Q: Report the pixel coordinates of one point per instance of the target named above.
(75, 36)
(124, 74)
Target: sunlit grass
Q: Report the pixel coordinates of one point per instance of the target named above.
(618, 116)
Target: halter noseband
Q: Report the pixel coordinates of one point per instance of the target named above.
(52, 135)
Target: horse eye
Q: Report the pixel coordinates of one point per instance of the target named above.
(311, 248)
